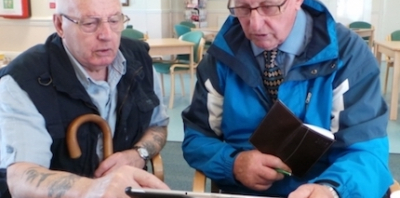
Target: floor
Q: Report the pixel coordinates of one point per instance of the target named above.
(175, 128)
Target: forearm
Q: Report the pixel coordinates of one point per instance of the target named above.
(154, 139)
(31, 180)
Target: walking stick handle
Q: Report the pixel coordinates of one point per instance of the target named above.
(72, 141)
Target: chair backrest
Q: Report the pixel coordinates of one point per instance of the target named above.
(360, 25)
(395, 36)
(188, 23)
(131, 33)
(195, 37)
(181, 30)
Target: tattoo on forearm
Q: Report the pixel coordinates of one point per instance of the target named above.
(158, 129)
(32, 174)
(159, 140)
(151, 148)
(62, 185)
(59, 185)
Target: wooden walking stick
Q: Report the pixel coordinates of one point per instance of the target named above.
(72, 141)
(75, 151)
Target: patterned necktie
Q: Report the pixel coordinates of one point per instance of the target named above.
(272, 74)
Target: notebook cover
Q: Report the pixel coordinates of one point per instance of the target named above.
(283, 135)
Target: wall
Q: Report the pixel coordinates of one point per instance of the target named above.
(19, 34)
(157, 17)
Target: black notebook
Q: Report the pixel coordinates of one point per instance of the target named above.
(297, 144)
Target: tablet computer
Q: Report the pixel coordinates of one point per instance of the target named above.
(153, 193)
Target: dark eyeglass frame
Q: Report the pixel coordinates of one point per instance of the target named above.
(232, 9)
(79, 23)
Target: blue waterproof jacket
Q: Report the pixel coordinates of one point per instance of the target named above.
(334, 83)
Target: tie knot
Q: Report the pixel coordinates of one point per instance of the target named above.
(270, 56)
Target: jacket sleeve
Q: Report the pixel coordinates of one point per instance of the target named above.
(359, 158)
(203, 148)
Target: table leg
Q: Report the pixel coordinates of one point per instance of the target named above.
(191, 68)
(395, 87)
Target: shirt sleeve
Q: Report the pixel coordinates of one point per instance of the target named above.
(159, 116)
(23, 135)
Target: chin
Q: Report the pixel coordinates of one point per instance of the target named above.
(266, 45)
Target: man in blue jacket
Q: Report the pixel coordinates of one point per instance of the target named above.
(330, 79)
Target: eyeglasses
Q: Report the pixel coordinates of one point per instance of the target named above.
(263, 10)
(91, 24)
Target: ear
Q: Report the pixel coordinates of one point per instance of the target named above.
(57, 21)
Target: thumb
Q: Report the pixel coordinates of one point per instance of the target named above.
(303, 191)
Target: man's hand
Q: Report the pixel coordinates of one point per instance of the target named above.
(31, 180)
(256, 170)
(311, 191)
(114, 183)
(128, 157)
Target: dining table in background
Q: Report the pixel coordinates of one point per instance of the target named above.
(173, 46)
(391, 49)
(209, 32)
(366, 33)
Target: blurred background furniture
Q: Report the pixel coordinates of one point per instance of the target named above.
(394, 36)
(132, 33)
(181, 30)
(181, 64)
(391, 49)
(361, 25)
(188, 24)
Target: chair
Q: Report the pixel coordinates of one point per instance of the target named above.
(362, 25)
(157, 166)
(181, 64)
(199, 185)
(131, 33)
(394, 36)
(188, 23)
(181, 30)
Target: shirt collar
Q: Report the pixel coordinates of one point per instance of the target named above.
(119, 65)
(295, 42)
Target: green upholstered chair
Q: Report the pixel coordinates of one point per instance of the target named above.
(362, 25)
(394, 36)
(188, 23)
(181, 29)
(131, 33)
(181, 64)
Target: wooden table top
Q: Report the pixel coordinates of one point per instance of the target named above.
(393, 45)
(163, 42)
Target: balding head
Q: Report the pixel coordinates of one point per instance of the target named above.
(78, 7)
(64, 6)
(93, 50)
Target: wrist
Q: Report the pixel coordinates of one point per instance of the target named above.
(143, 153)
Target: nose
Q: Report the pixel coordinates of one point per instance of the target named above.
(104, 30)
(255, 20)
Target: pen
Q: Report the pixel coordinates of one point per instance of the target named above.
(287, 173)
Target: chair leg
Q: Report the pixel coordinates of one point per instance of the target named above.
(182, 87)
(172, 92)
(162, 84)
(386, 78)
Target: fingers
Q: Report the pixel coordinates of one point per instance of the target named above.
(303, 191)
(311, 191)
(105, 166)
(147, 180)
